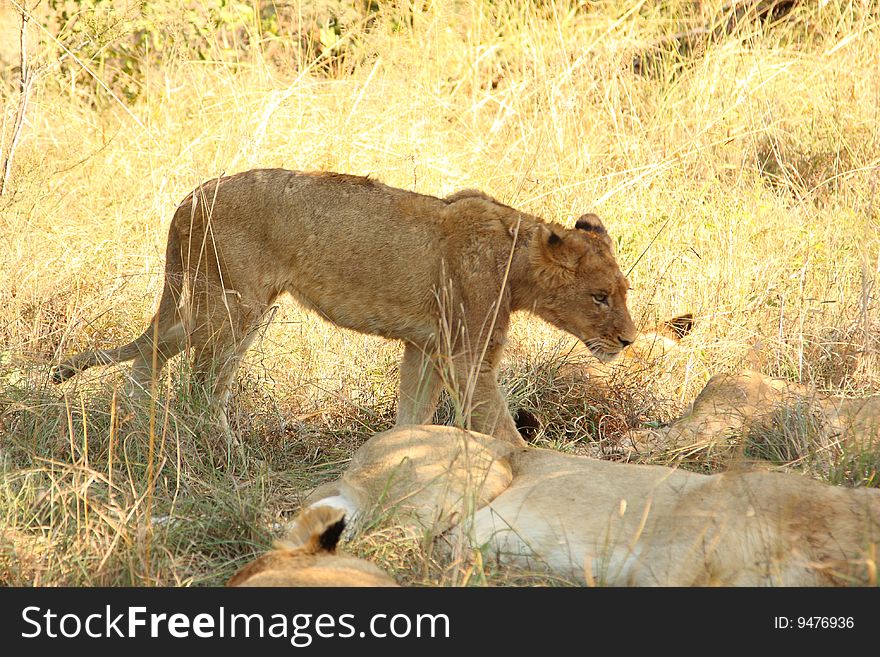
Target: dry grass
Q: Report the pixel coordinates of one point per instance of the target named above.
(740, 181)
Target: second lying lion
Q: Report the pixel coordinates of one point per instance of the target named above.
(733, 408)
(592, 521)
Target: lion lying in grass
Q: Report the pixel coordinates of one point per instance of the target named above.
(732, 406)
(594, 521)
(442, 275)
(308, 557)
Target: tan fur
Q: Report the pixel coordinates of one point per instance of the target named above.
(302, 560)
(652, 345)
(441, 275)
(616, 524)
(407, 474)
(594, 521)
(732, 405)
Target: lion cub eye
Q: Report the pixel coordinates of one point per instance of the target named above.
(601, 299)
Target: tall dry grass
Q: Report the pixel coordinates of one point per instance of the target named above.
(739, 180)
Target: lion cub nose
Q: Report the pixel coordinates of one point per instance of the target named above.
(624, 342)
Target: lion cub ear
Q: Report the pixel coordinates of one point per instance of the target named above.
(554, 254)
(591, 224)
(315, 530)
(677, 327)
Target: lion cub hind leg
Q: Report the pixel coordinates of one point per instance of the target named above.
(219, 345)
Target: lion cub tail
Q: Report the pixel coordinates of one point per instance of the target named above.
(83, 361)
(170, 326)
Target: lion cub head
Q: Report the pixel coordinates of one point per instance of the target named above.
(308, 557)
(581, 288)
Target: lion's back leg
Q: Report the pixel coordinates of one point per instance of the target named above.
(219, 344)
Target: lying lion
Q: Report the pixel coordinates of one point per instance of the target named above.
(442, 275)
(732, 406)
(594, 521)
(308, 557)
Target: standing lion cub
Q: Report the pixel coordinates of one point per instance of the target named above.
(442, 275)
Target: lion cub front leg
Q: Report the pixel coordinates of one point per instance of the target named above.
(489, 413)
(480, 399)
(420, 386)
